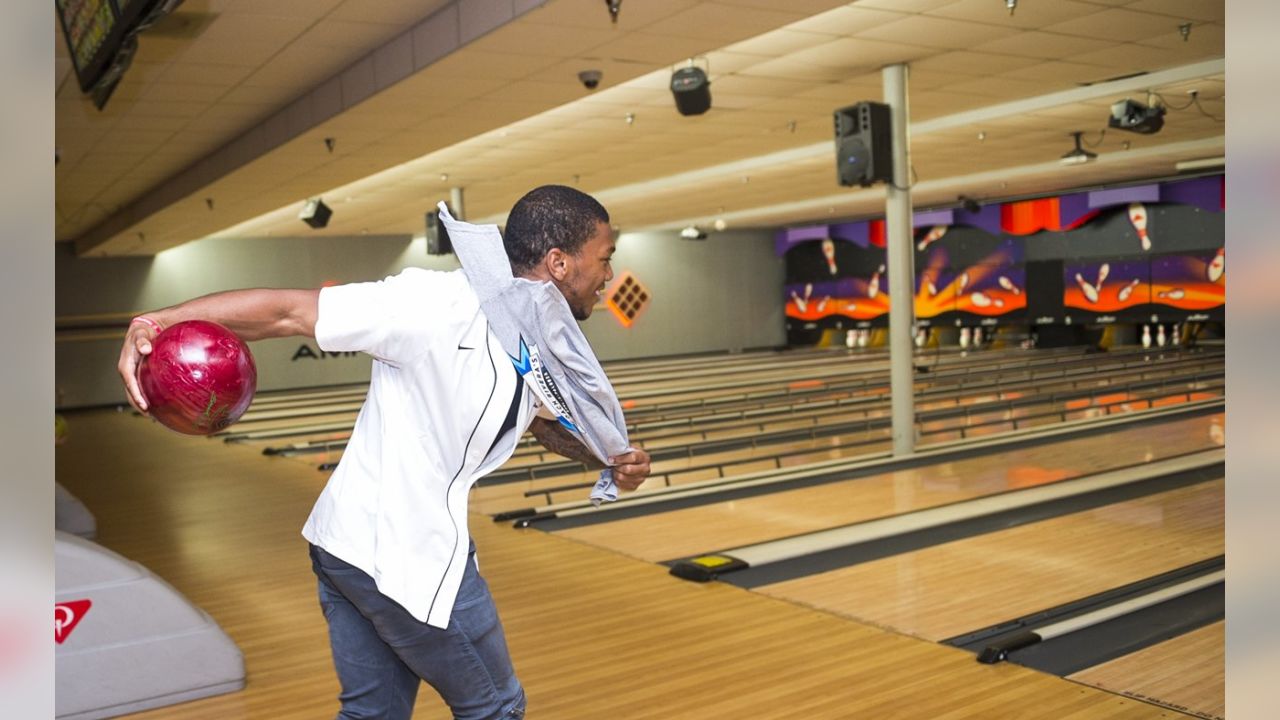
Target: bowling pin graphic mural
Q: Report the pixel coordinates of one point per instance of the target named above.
(1138, 217)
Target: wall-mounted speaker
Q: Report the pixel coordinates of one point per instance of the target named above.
(692, 91)
(438, 242)
(864, 144)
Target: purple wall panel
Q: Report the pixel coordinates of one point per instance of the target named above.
(1124, 196)
(790, 237)
(987, 218)
(858, 233)
(933, 217)
(1204, 193)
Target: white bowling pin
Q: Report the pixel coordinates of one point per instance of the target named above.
(1160, 338)
(1090, 292)
(997, 302)
(1218, 265)
(829, 252)
(1127, 290)
(849, 338)
(1176, 336)
(1138, 216)
(801, 305)
(1007, 284)
(920, 337)
(933, 289)
(935, 234)
(980, 299)
(964, 338)
(1146, 336)
(977, 337)
(1103, 272)
(962, 282)
(822, 304)
(873, 287)
(1174, 294)
(864, 337)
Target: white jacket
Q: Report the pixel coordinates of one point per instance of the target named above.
(396, 506)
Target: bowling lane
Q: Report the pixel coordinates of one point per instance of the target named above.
(1188, 672)
(508, 495)
(950, 589)
(678, 533)
(1001, 411)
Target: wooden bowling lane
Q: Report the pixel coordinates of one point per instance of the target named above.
(498, 497)
(1012, 403)
(950, 589)
(679, 533)
(593, 634)
(1185, 673)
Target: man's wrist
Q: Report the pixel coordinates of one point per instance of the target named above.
(152, 322)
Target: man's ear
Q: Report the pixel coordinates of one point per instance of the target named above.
(557, 263)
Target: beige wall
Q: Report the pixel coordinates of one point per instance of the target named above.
(712, 295)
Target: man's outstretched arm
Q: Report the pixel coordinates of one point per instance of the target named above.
(251, 314)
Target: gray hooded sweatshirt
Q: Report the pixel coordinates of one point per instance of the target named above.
(532, 321)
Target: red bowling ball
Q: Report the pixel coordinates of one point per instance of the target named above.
(199, 377)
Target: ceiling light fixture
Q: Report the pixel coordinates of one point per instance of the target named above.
(1200, 164)
(1078, 155)
(693, 232)
(615, 7)
(1011, 4)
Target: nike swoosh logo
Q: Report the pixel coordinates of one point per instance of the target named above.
(464, 347)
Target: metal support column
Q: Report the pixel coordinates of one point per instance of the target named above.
(897, 213)
(455, 204)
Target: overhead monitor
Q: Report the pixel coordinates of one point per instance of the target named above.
(101, 38)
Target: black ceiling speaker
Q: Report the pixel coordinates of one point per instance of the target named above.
(438, 242)
(864, 144)
(692, 91)
(315, 213)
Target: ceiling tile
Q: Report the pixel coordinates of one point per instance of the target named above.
(1214, 10)
(1058, 71)
(401, 13)
(963, 61)
(848, 20)
(1045, 45)
(910, 6)
(1116, 24)
(778, 43)
(593, 14)
(721, 23)
(1028, 15)
(549, 41)
(859, 55)
(1206, 40)
(1130, 57)
(936, 32)
(346, 34)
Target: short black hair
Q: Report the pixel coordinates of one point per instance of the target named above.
(551, 216)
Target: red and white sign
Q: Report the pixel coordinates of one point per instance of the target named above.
(66, 616)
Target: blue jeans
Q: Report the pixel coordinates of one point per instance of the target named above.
(381, 652)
